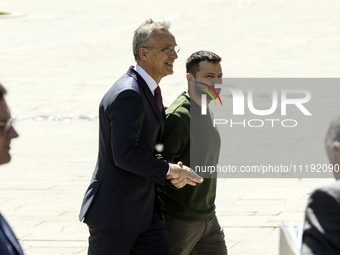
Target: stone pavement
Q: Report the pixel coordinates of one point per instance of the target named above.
(57, 59)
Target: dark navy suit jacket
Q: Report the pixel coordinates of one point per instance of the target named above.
(122, 195)
(321, 234)
(9, 244)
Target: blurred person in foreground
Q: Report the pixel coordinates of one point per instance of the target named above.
(9, 244)
(321, 235)
(189, 212)
(120, 205)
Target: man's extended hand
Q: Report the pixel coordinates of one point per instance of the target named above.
(180, 182)
(181, 175)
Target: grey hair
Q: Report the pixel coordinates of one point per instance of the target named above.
(333, 134)
(143, 34)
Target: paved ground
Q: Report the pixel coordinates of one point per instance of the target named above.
(57, 58)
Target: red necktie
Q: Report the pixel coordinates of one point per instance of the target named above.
(158, 97)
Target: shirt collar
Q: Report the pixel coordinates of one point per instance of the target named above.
(147, 78)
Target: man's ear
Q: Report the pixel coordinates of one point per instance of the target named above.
(143, 53)
(190, 79)
(336, 148)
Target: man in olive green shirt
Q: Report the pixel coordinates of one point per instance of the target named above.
(189, 212)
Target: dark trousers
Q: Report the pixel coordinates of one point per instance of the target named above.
(195, 237)
(153, 241)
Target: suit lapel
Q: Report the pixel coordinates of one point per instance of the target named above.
(145, 90)
(10, 235)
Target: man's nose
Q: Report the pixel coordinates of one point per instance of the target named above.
(174, 54)
(12, 133)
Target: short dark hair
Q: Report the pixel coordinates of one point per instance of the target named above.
(194, 60)
(3, 92)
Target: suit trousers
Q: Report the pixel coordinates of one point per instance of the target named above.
(195, 237)
(153, 241)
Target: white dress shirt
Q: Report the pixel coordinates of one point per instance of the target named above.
(147, 78)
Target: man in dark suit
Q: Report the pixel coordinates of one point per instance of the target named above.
(9, 244)
(321, 235)
(120, 205)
